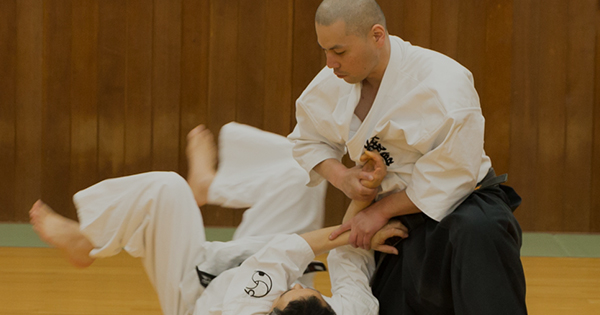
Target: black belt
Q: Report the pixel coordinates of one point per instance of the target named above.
(491, 179)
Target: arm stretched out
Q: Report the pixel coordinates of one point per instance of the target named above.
(319, 241)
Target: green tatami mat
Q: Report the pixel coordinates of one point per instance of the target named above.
(22, 235)
(534, 244)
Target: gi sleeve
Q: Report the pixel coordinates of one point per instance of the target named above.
(447, 172)
(313, 144)
(350, 270)
(267, 274)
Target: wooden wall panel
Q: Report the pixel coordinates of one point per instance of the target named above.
(222, 87)
(112, 41)
(523, 148)
(194, 70)
(28, 163)
(472, 39)
(394, 16)
(138, 108)
(482, 34)
(495, 93)
(222, 70)
(595, 211)
(95, 89)
(8, 49)
(552, 73)
(166, 84)
(444, 27)
(306, 53)
(56, 111)
(84, 96)
(416, 19)
(579, 115)
(250, 96)
(279, 105)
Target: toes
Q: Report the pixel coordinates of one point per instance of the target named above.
(197, 130)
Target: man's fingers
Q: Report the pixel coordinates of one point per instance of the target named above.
(352, 239)
(375, 157)
(396, 224)
(366, 176)
(391, 232)
(366, 242)
(368, 181)
(399, 232)
(343, 228)
(387, 249)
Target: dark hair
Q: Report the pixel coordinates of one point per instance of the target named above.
(308, 306)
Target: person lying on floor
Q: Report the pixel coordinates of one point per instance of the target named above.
(155, 216)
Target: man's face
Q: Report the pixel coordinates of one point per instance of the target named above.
(351, 57)
(295, 293)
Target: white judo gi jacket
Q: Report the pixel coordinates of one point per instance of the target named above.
(252, 287)
(425, 121)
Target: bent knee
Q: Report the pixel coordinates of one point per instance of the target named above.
(172, 180)
(166, 183)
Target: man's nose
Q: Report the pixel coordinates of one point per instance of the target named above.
(332, 61)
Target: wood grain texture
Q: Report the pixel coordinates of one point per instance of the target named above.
(166, 85)
(551, 70)
(495, 93)
(417, 22)
(595, 211)
(222, 88)
(8, 56)
(28, 163)
(194, 70)
(444, 27)
(94, 89)
(278, 102)
(524, 112)
(579, 115)
(138, 107)
(394, 15)
(56, 111)
(84, 96)
(250, 78)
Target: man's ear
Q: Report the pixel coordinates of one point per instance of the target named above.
(378, 34)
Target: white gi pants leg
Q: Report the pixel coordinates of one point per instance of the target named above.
(153, 216)
(257, 171)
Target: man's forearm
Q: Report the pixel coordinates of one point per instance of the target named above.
(396, 204)
(319, 241)
(330, 169)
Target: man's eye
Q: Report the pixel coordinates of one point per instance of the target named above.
(339, 52)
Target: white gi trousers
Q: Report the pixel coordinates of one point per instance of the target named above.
(257, 171)
(154, 216)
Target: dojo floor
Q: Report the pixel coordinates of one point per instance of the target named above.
(562, 271)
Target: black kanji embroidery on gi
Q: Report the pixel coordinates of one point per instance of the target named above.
(374, 145)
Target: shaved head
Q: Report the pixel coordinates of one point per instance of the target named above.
(358, 15)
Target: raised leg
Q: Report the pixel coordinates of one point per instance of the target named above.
(152, 216)
(202, 159)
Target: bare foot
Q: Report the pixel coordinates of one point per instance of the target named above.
(202, 160)
(62, 233)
